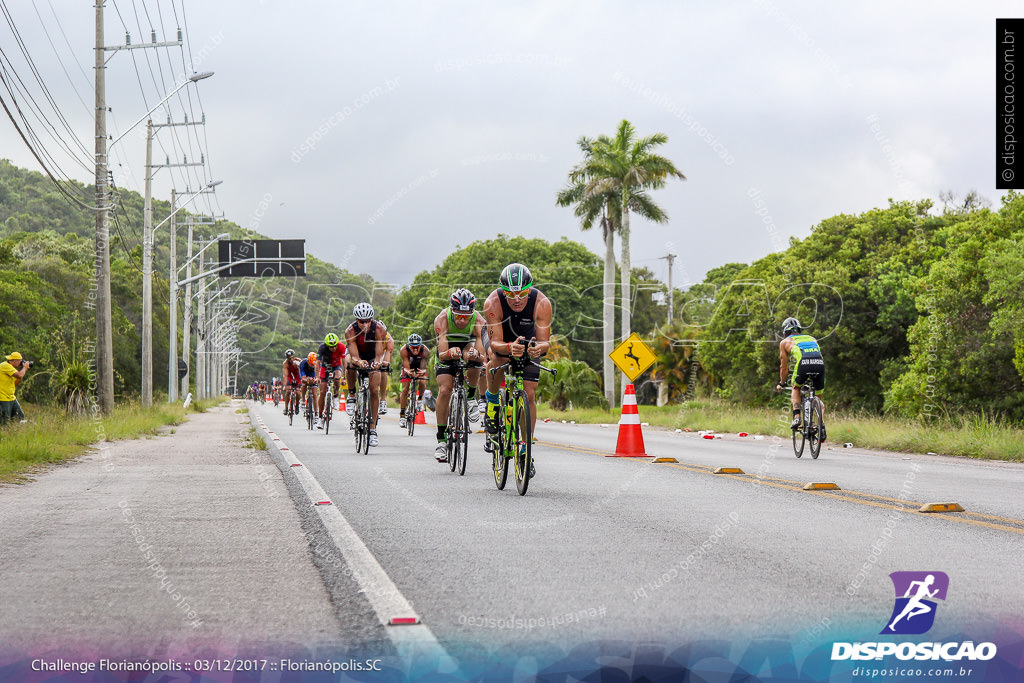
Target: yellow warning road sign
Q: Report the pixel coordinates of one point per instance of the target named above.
(633, 357)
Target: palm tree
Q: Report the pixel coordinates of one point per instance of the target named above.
(590, 208)
(612, 181)
(625, 164)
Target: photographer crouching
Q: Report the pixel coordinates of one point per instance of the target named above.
(12, 371)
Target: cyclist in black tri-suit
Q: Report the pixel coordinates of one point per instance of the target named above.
(515, 313)
(415, 356)
(365, 338)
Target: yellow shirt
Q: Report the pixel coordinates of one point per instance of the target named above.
(7, 381)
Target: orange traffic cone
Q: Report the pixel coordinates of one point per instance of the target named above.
(631, 438)
(341, 402)
(421, 419)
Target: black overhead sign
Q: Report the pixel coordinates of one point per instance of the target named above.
(262, 258)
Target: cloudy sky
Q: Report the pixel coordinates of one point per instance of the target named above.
(386, 133)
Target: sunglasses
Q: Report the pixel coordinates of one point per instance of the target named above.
(521, 294)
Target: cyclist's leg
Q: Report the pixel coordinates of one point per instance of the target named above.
(374, 398)
(337, 382)
(531, 392)
(321, 395)
(404, 398)
(493, 381)
(444, 396)
(352, 381)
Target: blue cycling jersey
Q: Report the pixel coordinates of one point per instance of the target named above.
(306, 369)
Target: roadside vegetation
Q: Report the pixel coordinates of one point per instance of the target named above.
(51, 436)
(975, 436)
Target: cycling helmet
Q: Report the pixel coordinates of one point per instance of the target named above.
(331, 340)
(289, 353)
(311, 357)
(790, 325)
(462, 301)
(515, 278)
(363, 311)
(415, 340)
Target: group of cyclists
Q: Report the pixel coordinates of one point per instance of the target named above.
(515, 321)
(516, 318)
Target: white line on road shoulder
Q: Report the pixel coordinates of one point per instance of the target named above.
(416, 644)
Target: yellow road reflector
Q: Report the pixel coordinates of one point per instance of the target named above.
(665, 460)
(941, 507)
(729, 470)
(821, 486)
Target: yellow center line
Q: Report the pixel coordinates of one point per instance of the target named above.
(906, 506)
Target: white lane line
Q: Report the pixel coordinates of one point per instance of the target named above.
(415, 643)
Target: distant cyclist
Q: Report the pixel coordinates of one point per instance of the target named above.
(459, 330)
(330, 361)
(290, 377)
(516, 312)
(809, 365)
(365, 338)
(415, 356)
(308, 377)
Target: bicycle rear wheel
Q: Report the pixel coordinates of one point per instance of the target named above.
(798, 438)
(523, 441)
(814, 429)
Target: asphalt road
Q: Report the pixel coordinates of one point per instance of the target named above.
(663, 554)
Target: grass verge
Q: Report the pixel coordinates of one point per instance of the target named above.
(50, 436)
(255, 440)
(972, 436)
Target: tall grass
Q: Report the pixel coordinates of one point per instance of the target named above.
(976, 436)
(51, 436)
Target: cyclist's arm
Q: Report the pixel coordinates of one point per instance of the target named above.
(406, 361)
(784, 346)
(542, 326)
(350, 344)
(492, 313)
(441, 332)
(478, 341)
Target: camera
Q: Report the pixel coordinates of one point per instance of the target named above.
(29, 363)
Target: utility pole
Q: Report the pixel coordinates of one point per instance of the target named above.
(186, 328)
(671, 259)
(104, 333)
(172, 345)
(147, 260)
(201, 341)
(104, 340)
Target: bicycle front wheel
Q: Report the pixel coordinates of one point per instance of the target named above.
(523, 441)
(815, 428)
(799, 435)
(328, 411)
(364, 411)
(463, 447)
(410, 414)
(499, 464)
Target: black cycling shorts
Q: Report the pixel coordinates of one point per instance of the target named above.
(813, 370)
(531, 373)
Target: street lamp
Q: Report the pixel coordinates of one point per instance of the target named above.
(191, 79)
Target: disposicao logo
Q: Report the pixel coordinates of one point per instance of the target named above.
(916, 595)
(913, 614)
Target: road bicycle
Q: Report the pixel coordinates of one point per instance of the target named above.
(310, 413)
(328, 409)
(360, 422)
(277, 396)
(412, 403)
(514, 438)
(458, 418)
(812, 424)
(293, 405)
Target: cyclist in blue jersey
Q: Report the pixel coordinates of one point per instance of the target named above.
(307, 376)
(808, 363)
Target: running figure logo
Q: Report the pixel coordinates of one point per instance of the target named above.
(916, 592)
